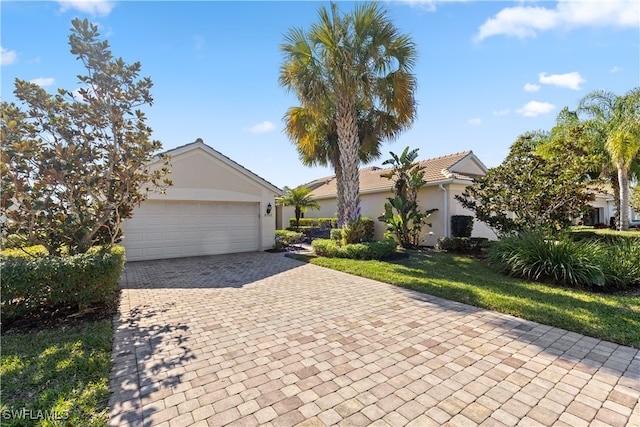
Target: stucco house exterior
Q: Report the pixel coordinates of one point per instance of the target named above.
(603, 207)
(214, 206)
(446, 177)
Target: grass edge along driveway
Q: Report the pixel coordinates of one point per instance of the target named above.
(609, 317)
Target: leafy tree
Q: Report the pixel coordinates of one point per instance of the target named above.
(615, 121)
(346, 68)
(402, 214)
(300, 198)
(532, 190)
(74, 165)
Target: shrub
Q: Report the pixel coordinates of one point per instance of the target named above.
(358, 231)
(33, 284)
(461, 225)
(561, 261)
(368, 250)
(286, 238)
(26, 252)
(620, 261)
(461, 244)
(315, 222)
(312, 232)
(336, 234)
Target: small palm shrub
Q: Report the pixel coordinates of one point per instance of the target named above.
(358, 231)
(532, 256)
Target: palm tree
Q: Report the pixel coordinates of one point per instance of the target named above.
(349, 67)
(300, 198)
(316, 140)
(616, 122)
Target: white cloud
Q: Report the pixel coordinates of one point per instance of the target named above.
(535, 108)
(531, 87)
(528, 21)
(263, 127)
(569, 80)
(429, 5)
(92, 7)
(504, 112)
(7, 57)
(475, 121)
(44, 81)
(615, 69)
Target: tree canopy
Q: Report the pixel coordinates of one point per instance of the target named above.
(347, 71)
(539, 186)
(300, 199)
(76, 163)
(615, 124)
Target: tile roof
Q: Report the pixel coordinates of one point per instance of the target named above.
(436, 170)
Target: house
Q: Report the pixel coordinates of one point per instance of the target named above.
(214, 206)
(446, 177)
(603, 207)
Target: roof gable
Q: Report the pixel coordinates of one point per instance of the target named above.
(463, 166)
(198, 144)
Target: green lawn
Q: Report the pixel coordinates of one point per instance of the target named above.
(604, 231)
(463, 279)
(57, 377)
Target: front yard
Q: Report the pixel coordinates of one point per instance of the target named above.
(57, 377)
(609, 317)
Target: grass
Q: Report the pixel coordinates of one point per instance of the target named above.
(57, 377)
(604, 231)
(610, 317)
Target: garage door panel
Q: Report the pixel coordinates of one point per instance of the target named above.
(163, 229)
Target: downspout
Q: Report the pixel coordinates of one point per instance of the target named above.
(446, 209)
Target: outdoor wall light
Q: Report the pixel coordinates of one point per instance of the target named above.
(269, 209)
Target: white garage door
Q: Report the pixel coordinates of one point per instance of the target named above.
(163, 229)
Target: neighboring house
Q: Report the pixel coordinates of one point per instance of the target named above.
(446, 177)
(214, 206)
(603, 208)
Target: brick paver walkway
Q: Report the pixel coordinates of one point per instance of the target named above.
(261, 339)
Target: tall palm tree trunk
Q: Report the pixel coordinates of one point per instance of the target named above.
(348, 143)
(337, 168)
(615, 184)
(623, 178)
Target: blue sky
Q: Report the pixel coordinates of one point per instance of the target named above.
(487, 71)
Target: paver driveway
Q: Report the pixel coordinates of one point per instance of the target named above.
(259, 339)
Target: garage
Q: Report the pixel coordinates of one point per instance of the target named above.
(215, 206)
(180, 229)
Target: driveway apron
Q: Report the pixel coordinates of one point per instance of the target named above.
(261, 339)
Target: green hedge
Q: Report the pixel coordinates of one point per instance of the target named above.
(461, 244)
(286, 238)
(32, 284)
(461, 225)
(315, 222)
(369, 250)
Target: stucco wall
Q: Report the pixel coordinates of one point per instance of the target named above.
(430, 197)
